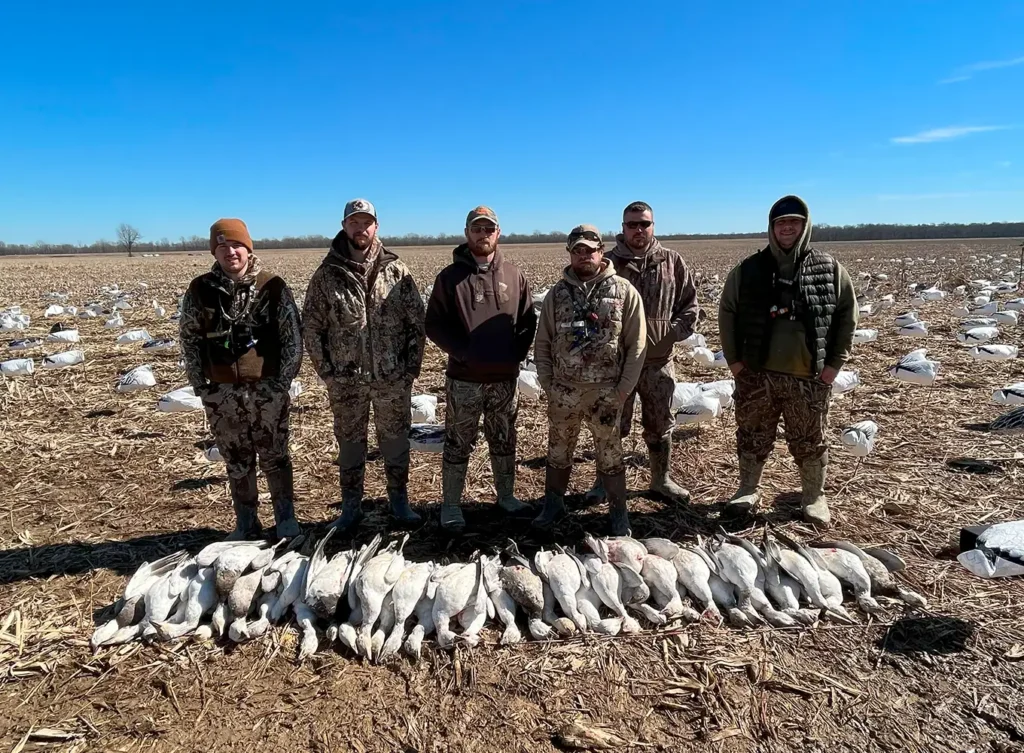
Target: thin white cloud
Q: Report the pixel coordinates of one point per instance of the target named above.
(965, 73)
(922, 196)
(944, 134)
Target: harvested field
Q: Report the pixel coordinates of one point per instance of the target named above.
(96, 482)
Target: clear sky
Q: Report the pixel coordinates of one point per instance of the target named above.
(170, 115)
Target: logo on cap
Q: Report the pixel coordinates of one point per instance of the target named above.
(221, 238)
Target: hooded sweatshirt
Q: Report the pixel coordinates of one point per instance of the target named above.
(363, 320)
(591, 334)
(667, 289)
(482, 316)
(788, 352)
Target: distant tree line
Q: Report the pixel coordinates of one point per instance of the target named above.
(193, 243)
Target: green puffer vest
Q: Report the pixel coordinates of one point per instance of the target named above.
(815, 302)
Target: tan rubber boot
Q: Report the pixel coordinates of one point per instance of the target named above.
(555, 483)
(504, 470)
(812, 481)
(747, 497)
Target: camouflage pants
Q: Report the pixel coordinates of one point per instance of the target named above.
(465, 402)
(249, 421)
(763, 398)
(655, 389)
(392, 416)
(568, 409)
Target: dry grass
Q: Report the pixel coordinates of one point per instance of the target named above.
(96, 482)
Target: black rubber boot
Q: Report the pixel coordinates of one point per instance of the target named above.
(352, 471)
(396, 469)
(504, 470)
(245, 500)
(661, 483)
(453, 481)
(618, 514)
(280, 479)
(555, 483)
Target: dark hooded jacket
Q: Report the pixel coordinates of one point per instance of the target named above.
(823, 304)
(668, 292)
(363, 321)
(483, 318)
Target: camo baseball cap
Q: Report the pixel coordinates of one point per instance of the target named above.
(586, 235)
(359, 206)
(481, 213)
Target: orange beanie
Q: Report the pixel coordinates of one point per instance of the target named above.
(229, 230)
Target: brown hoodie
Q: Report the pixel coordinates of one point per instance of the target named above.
(610, 353)
(482, 318)
(667, 289)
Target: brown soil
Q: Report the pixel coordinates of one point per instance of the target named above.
(95, 482)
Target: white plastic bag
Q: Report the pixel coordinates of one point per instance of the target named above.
(179, 401)
(683, 393)
(703, 356)
(424, 409)
(63, 360)
(17, 367)
(529, 384)
(139, 378)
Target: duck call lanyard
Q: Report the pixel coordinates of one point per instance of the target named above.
(238, 337)
(788, 304)
(584, 318)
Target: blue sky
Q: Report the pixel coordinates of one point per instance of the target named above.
(170, 115)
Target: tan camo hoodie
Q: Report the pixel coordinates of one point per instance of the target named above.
(591, 334)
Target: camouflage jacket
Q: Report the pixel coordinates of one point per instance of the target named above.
(214, 305)
(591, 334)
(363, 322)
(668, 292)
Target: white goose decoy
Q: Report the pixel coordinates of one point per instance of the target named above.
(720, 362)
(845, 381)
(685, 392)
(976, 321)
(696, 340)
(906, 319)
(993, 352)
(916, 329)
(933, 294)
(1011, 395)
(703, 356)
(866, 310)
(859, 438)
(701, 410)
(915, 368)
(998, 551)
(861, 336)
(1014, 304)
(978, 335)
(886, 302)
(1011, 422)
(1006, 317)
(722, 389)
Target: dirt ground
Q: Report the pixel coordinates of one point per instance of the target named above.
(95, 482)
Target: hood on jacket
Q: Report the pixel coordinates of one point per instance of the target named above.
(340, 253)
(805, 238)
(462, 255)
(622, 250)
(607, 270)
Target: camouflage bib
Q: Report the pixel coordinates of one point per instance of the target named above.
(588, 329)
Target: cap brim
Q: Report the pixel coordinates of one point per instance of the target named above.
(353, 214)
(584, 242)
(791, 214)
(483, 217)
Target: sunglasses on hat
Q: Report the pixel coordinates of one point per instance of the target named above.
(635, 224)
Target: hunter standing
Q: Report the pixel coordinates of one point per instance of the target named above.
(242, 346)
(786, 321)
(670, 309)
(364, 333)
(481, 314)
(590, 346)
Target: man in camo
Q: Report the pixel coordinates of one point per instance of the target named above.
(481, 314)
(364, 332)
(670, 310)
(591, 340)
(786, 319)
(242, 346)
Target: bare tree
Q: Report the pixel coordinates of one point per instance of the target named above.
(127, 237)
